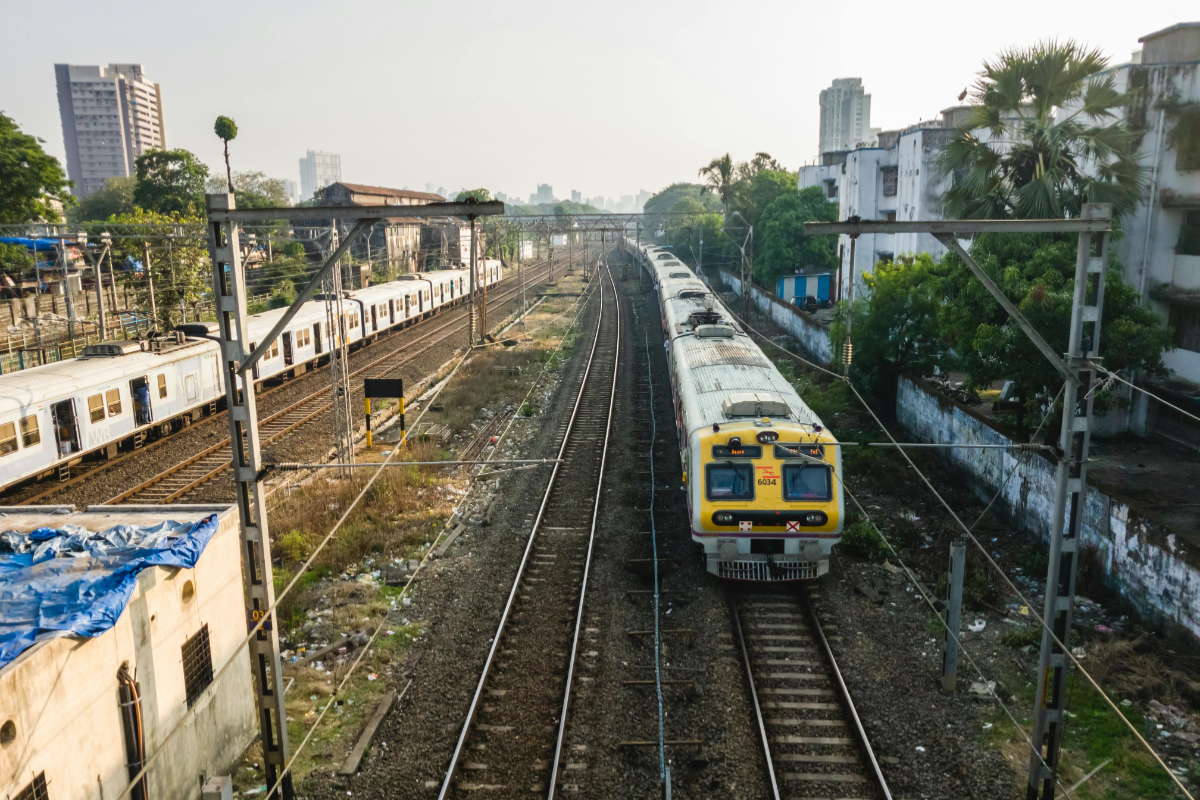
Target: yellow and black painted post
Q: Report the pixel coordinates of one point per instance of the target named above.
(383, 388)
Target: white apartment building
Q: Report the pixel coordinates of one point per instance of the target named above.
(1160, 249)
(318, 170)
(845, 115)
(110, 116)
(897, 179)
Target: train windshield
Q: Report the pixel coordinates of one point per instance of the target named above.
(730, 482)
(807, 482)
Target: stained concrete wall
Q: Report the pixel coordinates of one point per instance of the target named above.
(811, 335)
(1145, 562)
(62, 693)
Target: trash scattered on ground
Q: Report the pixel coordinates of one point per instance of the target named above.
(977, 626)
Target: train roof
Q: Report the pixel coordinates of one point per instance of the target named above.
(29, 387)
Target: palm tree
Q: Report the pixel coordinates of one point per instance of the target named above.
(720, 176)
(1043, 138)
(226, 129)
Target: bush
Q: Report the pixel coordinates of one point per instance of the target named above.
(1022, 637)
(862, 540)
(527, 410)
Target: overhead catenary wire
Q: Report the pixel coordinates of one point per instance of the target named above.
(996, 567)
(424, 561)
(268, 613)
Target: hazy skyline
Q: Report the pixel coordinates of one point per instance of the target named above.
(604, 99)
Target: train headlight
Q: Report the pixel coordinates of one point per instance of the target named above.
(723, 518)
(815, 518)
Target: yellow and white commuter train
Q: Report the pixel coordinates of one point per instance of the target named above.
(762, 472)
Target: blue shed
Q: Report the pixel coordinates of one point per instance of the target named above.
(816, 284)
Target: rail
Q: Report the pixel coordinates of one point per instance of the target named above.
(582, 424)
(784, 635)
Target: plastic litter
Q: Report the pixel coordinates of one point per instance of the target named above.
(977, 626)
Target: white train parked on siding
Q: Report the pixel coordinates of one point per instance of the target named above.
(119, 394)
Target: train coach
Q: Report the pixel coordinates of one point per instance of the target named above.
(120, 394)
(760, 469)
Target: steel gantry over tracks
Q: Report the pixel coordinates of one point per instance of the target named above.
(1078, 366)
(229, 295)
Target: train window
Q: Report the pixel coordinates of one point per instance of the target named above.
(162, 386)
(8, 438)
(730, 481)
(30, 435)
(807, 482)
(274, 351)
(113, 397)
(96, 407)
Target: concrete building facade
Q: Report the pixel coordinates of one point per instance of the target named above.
(396, 241)
(62, 718)
(110, 116)
(1160, 249)
(318, 170)
(845, 115)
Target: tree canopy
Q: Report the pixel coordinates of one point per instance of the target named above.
(115, 198)
(786, 249)
(1053, 138)
(170, 182)
(920, 315)
(28, 177)
(182, 270)
(664, 201)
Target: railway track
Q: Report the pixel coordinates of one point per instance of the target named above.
(200, 468)
(813, 740)
(512, 740)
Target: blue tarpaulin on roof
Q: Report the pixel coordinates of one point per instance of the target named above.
(70, 581)
(41, 245)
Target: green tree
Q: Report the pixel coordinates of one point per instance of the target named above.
(896, 326)
(785, 248)
(665, 200)
(226, 130)
(15, 258)
(170, 182)
(115, 198)
(182, 271)
(761, 189)
(1037, 272)
(482, 195)
(28, 177)
(1054, 138)
(720, 176)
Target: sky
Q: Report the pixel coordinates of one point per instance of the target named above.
(605, 98)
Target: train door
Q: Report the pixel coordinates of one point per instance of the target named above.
(391, 312)
(421, 302)
(139, 390)
(216, 368)
(287, 349)
(374, 320)
(407, 303)
(66, 427)
(318, 346)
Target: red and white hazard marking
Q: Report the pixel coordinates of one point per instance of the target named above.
(793, 527)
(745, 525)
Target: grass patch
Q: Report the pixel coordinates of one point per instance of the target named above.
(1022, 637)
(861, 540)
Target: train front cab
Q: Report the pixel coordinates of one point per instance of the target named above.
(766, 504)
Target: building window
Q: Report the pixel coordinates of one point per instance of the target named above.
(1185, 325)
(197, 665)
(1187, 139)
(36, 790)
(831, 189)
(1189, 234)
(890, 178)
(889, 216)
